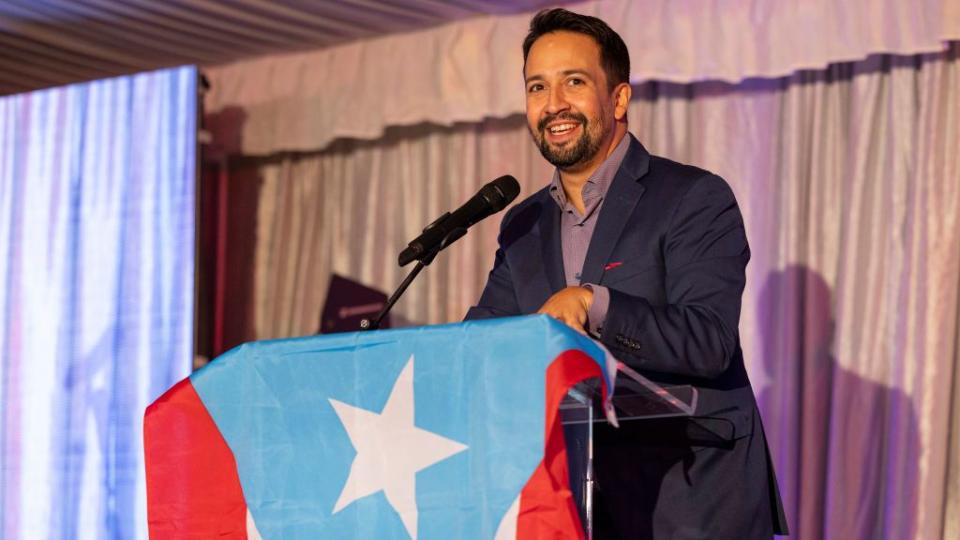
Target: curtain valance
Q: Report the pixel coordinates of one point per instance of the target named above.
(469, 70)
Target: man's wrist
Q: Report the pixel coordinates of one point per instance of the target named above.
(597, 309)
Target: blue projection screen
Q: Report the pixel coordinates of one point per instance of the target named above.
(97, 187)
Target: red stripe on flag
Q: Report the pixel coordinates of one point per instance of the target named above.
(547, 506)
(193, 489)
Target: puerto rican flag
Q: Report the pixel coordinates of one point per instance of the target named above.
(448, 431)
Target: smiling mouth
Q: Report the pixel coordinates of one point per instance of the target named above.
(560, 129)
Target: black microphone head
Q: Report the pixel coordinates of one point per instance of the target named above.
(501, 192)
(492, 198)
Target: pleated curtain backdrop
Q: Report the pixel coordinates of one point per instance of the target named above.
(96, 306)
(849, 183)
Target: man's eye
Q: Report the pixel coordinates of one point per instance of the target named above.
(575, 82)
(535, 88)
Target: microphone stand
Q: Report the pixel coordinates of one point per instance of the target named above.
(451, 237)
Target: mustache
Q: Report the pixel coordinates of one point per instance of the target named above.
(575, 117)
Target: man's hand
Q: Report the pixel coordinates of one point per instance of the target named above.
(570, 307)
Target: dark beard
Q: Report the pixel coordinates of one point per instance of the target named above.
(582, 149)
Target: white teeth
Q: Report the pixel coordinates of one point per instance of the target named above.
(561, 128)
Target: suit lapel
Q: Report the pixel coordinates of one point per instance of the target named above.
(618, 205)
(552, 250)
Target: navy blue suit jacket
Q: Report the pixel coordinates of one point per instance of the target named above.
(670, 246)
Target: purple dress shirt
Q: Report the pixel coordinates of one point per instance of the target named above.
(576, 229)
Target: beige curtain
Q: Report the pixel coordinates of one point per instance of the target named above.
(849, 182)
(352, 209)
(467, 70)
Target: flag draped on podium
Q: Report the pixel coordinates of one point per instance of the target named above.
(447, 431)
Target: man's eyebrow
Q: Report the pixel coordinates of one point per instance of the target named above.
(565, 73)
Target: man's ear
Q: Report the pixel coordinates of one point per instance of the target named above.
(621, 98)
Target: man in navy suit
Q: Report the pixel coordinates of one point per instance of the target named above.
(647, 255)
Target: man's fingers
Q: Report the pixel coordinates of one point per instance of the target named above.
(568, 307)
(571, 320)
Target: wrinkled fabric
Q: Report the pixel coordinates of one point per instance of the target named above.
(470, 70)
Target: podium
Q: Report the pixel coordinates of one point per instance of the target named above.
(472, 430)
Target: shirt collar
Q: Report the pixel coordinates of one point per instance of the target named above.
(599, 182)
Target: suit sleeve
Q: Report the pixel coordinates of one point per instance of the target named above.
(705, 256)
(499, 298)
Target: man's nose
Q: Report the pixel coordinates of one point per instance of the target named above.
(557, 100)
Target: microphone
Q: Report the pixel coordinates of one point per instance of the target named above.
(491, 198)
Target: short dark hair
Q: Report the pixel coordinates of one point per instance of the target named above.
(614, 56)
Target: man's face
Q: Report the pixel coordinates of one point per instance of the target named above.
(570, 111)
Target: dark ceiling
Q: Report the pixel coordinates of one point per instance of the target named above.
(45, 43)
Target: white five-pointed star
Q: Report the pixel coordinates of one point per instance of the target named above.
(390, 451)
